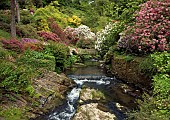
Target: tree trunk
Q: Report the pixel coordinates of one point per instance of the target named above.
(17, 11)
(13, 24)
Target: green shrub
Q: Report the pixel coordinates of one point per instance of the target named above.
(27, 31)
(4, 34)
(14, 78)
(5, 16)
(30, 89)
(88, 18)
(4, 53)
(147, 67)
(60, 52)
(128, 58)
(37, 60)
(162, 61)
(71, 60)
(26, 17)
(162, 82)
(7, 54)
(5, 26)
(157, 106)
(43, 14)
(4, 4)
(70, 11)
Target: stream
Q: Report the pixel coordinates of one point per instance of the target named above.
(92, 76)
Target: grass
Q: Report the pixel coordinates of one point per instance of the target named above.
(4, 34)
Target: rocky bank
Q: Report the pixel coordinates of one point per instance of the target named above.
(49, 92)
(128, 71)
(93, 106)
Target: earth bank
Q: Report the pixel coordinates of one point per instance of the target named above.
(128, 70)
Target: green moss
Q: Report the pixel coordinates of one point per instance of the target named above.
(35, 104)
(30, 89)
(37, 95)
(98, 94)
(46, 92)
(12, 113)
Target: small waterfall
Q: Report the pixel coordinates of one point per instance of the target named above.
(72, 98)
(94, 77)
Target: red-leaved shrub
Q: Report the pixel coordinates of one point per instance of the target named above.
(49, 36)
(151, 31)
(33, 46)
(13, 44)
(57, 30)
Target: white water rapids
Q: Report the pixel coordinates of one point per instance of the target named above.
(70, 109)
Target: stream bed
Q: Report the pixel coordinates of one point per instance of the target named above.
(94, 77)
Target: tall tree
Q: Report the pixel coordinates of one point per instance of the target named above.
(17, 11)
(13, 23)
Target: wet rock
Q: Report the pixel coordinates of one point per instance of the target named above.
(91, 112)
(103, 107)
(91, 94)
(94, 106)
(52, 89)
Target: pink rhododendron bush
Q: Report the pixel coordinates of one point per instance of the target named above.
(151, 30)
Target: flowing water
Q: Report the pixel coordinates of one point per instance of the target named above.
(92, 76)
(72, 98)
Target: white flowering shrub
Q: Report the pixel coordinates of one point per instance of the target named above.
(101, 36)
(82, 36)
(108, 36)
(84, 31)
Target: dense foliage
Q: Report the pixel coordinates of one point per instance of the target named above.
(151, 29)
(14, 78)
(157, 106)
(37, 60)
